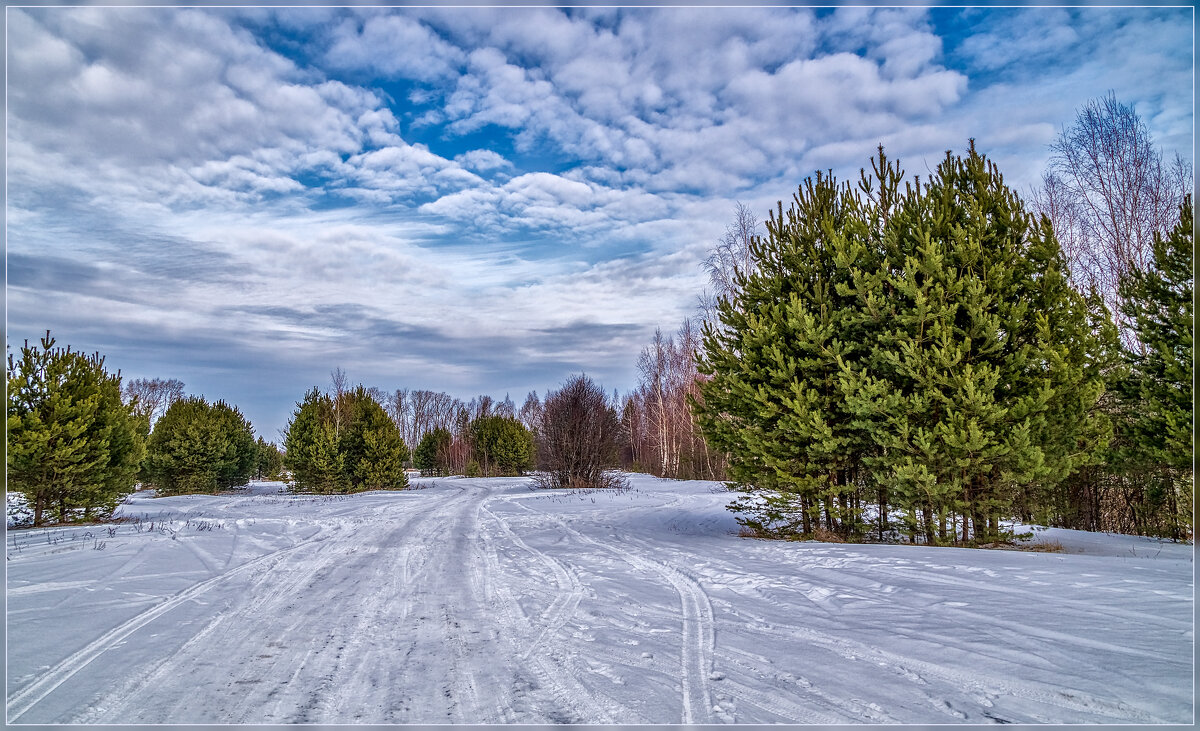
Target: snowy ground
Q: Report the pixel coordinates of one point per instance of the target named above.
(484, 601)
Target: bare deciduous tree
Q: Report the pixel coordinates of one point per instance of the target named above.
(506, 408)
(1107, 192)
(730, 259)
(658, 421)
(341, 406)
(531, 412)
(578, 437)
(154, 395)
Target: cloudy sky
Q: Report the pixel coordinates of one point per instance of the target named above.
(482, 200)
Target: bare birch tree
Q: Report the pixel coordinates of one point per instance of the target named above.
(730, 259)
(1107, 192)
(154, 396)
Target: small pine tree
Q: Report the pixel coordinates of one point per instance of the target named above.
(311, 446)
(373, 451)
(71, 442)
(343, 444)
(268, 460)
(430, 454)
(501, 445)
(197, 447)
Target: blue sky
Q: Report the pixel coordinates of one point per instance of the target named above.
(483, 200)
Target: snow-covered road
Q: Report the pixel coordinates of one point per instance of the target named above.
(485, 601)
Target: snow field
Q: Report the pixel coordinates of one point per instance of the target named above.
(482, 600)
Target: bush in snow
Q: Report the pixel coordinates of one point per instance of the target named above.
(578, 437)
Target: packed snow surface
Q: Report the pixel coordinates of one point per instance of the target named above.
(484, 600)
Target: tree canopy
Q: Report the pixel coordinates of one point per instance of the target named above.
(914, 346)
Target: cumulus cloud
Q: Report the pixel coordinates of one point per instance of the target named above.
(483, 199)
(393, 45)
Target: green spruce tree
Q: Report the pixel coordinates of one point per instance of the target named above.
(71, 442)
(373, 451)
(311, 446)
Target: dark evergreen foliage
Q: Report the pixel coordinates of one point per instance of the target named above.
(430, 456)
(916, 347)
(345, 443)
(72, 444)
(373, 452)
(501, 445)
(268, 461)
(198, 447)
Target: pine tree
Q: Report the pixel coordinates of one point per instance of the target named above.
(371, 447)
(773, 399)
(430, 454)
(268, 460)
(344, 443)
(311, 446)
(501, 445)
(1156, 384)
(71, 442)
(1158, 301)
(200, 447)
(920, 348)
(981, 382)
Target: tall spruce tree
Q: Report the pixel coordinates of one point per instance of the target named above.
(71, 441)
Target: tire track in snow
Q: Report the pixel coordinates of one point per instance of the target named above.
(985, 687)
(699, 633)
(566, 599)
(281, 582)
(550, 677)
(20, 702)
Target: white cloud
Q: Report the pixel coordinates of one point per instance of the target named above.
(393, 45)
(482, 160)
(576, 166)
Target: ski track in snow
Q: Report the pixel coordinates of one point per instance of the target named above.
(698, 635)
(25, 699)
(483, 601)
